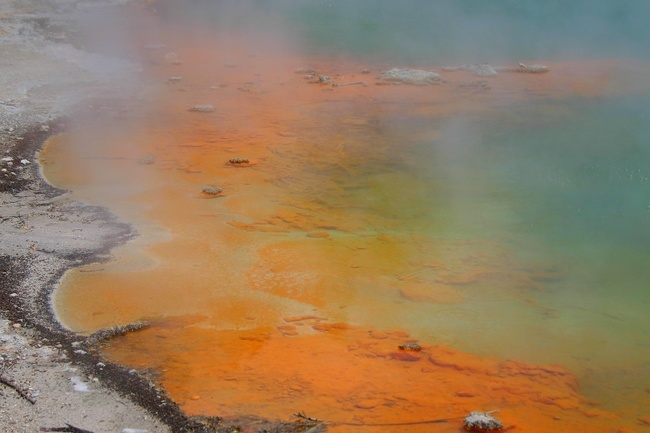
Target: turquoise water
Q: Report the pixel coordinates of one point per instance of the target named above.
(441, 31)
(473, 31)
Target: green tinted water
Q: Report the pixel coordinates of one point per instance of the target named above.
(557, 193)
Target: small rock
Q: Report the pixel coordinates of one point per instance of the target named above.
(79, 385)
(207, 108)
(413, 347)
(482, 421)
(172, 58)
(134, 430)
(318, 79)
(212, 190)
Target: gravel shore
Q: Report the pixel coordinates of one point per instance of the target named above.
(48, 381)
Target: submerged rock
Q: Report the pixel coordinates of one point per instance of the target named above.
(486, 70)
(319, 79)
(416, 77)
(202, 108)
(172, 58)
(476, 84)
(212, 190)
(527, 69)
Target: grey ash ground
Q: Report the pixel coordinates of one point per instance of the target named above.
(43, 79)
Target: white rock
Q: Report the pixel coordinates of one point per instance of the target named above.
(79, 385)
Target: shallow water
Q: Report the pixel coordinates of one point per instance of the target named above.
(507, 224)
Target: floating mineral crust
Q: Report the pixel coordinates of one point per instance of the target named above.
(482, 421)
(486, 70)
(417, 77)
(482, 70)
(526, 69)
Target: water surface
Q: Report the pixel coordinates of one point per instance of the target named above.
(504, 229)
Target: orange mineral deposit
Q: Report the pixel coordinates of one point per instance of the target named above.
(293, 288)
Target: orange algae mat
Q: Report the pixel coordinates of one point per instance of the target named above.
(276, 296)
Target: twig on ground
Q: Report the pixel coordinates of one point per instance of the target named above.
(69, 429)
(24, 394)
(308, 418)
